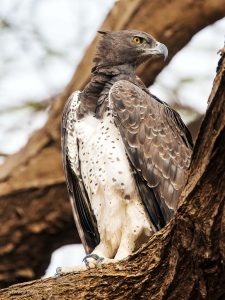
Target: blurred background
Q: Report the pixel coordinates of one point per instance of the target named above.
(43, 41)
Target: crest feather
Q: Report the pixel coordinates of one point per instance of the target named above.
(103, 32)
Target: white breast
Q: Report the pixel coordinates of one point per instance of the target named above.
(108, 178)
(102, 155)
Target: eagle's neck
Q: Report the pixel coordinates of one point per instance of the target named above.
(95, 93)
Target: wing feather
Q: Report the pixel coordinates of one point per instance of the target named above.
(158, 145)
(83, 214)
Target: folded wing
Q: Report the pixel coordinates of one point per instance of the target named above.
(158, 145)
(83, 214)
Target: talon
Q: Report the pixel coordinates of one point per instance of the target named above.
(58, 271)
(96, 257)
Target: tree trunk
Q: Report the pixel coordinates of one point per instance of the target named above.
(35, 213)
(185, 260)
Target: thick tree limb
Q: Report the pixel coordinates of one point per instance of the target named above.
(35, 211)
(185, 260)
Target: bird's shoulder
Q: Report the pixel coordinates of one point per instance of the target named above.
(68, 134)
(129, 97)
(128, 89)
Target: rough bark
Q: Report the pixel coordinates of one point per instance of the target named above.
(35, 213)
(185, 260)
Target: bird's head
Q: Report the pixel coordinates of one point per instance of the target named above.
(127, 47)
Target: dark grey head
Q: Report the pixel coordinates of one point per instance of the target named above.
(127, 47)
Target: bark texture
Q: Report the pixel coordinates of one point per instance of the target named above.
(186, 259)
(35, 213)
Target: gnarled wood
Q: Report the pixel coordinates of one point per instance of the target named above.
(34, 205)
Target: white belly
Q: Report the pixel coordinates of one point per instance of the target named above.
(108, 179)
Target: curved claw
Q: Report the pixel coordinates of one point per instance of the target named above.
(95, 257)
(58, 272)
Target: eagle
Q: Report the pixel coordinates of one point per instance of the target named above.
(126, 153)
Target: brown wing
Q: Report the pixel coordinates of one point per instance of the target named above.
(158, 145)
(83, 214)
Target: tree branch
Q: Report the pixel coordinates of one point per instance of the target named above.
(32, 190)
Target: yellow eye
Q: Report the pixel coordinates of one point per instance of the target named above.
(138, 40)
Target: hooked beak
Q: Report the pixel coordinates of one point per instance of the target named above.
(160, 49)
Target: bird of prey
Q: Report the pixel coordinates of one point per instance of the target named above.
(126, 153)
